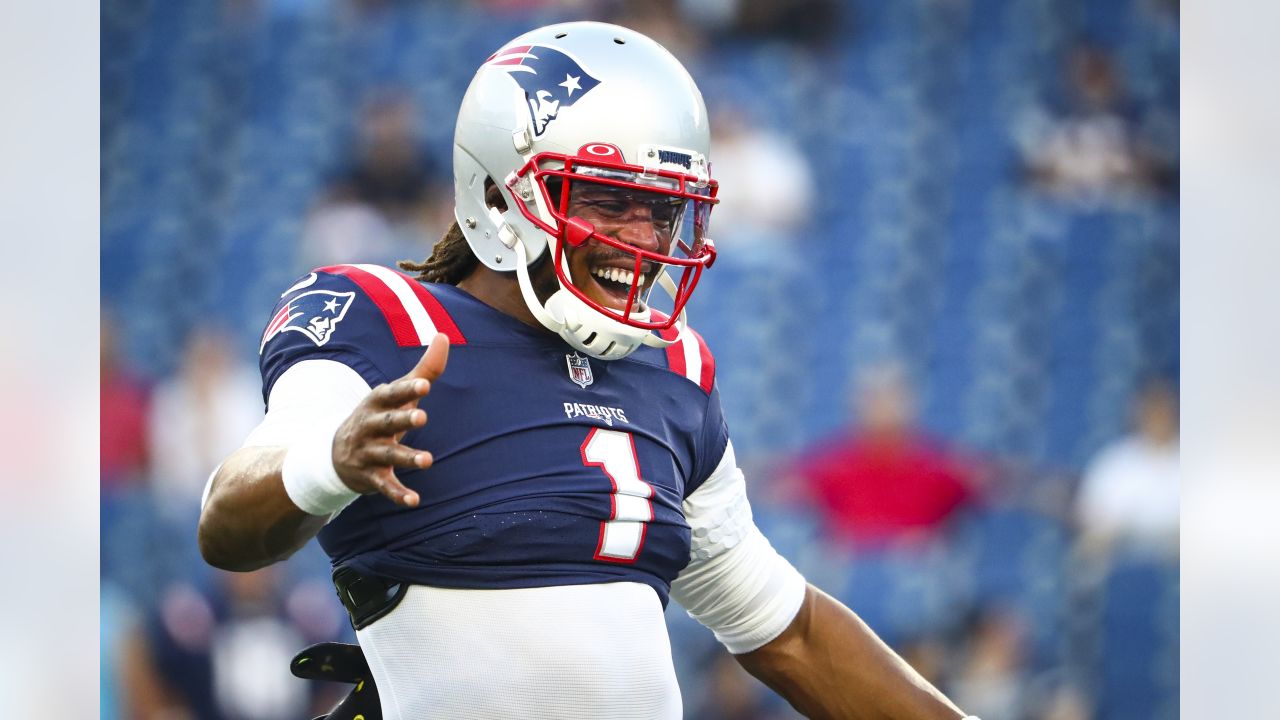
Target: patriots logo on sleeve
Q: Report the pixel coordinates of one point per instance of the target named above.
(315, 314)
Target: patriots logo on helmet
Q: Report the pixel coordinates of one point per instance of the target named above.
(551, 80)
(315, 314)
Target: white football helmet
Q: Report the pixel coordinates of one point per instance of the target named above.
(588, 106)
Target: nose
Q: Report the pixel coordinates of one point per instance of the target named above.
(637, 230)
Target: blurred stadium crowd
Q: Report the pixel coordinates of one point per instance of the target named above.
(945, 312)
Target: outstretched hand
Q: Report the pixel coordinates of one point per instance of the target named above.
(367, 448)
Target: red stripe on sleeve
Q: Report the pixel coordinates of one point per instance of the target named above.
(675, 351)
(708, 376)
(392, 309)
(439, 316)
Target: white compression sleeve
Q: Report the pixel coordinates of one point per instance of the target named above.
(736, 584)
(312, 396)
(307, 404)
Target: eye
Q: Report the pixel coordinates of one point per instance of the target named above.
(612, 209)
(666, 213)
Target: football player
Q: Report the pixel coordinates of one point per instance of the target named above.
(508, 512)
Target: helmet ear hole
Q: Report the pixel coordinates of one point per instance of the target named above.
(493, 196)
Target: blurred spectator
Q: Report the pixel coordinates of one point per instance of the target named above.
(884, 479)
(199, 415)
(807, 23)
(1064, 702)
(772, 194)
(118, 621)
(992, 677)
(666, 21)
(224, 654)
(123, 432)
(1090, 152)
(1129, 493)
(523, 8)
(385, 204)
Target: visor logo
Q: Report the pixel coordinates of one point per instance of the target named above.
(551, 80)
(676, 158)
(579, 369)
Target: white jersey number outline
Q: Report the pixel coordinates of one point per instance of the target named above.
(622, 535)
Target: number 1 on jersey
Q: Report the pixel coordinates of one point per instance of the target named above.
(622, 536)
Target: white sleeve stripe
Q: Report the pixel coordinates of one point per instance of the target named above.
(692, 355)
(399, 285)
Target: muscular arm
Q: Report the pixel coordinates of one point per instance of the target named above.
(797, 640)
(829, 664)
(249, 520)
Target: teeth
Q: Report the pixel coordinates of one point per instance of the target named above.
(618, 275)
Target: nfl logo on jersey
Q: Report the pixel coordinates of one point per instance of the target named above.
(579, 369)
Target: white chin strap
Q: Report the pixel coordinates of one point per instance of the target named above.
(581, 325)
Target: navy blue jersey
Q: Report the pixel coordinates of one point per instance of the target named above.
(551, 468)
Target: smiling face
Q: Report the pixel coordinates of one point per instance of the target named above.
(643, 220)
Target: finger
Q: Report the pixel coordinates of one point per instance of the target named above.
(432, 362)
(401, 392)
(393, 422)
(386, 482)
(371, 425)
(399, 437)
(394, 455)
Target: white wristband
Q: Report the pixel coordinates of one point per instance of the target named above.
(310, 479)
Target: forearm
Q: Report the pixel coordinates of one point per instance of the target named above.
(249, 521)
(829, 664)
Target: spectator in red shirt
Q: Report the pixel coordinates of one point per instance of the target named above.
(124, 410)
(884, 480)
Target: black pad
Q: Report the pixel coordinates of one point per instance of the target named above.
(337, 662)
(361, 703)
(341, 662)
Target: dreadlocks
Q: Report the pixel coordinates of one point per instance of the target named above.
(452, 259)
